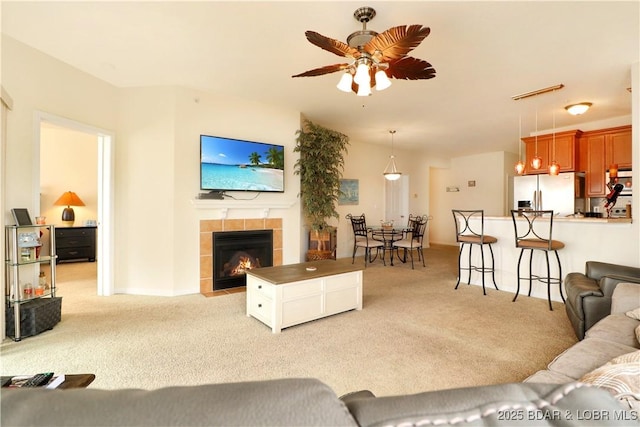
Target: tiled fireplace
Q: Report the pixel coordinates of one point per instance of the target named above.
(208, 227)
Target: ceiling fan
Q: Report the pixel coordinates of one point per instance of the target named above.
(375, 57)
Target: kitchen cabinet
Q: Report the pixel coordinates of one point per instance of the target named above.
(605, 147)
(564, 149)
(618, 147)
(594, 174)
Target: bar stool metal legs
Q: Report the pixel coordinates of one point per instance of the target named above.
(529, 238)
(482, 269)
(470, 230)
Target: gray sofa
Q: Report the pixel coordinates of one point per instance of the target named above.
(589, 293)
(613, 336)
(308, 402)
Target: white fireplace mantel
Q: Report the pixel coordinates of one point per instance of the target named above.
(224, 206)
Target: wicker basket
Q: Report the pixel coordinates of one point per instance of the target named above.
(314, 255)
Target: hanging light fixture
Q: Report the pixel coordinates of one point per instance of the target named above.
(536, 161)
(577, 109)
(520, 164)
(391, 172)
(554, 167)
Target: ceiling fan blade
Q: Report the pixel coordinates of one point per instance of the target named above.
(396, 42)
(332, 45)
(409, 68)
(323, 70)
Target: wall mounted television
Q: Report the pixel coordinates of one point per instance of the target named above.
(228, 164)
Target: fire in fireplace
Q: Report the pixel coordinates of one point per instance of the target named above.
(235, 252)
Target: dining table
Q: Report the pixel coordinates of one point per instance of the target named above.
(387, 235)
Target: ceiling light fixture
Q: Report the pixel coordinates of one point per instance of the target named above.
(520, 165)
(376, 58)
(391, 172)
(554, 167)
(577, 109)
(536, 161)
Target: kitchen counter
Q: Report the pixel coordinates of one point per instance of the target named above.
(585, 239)
(573, 219)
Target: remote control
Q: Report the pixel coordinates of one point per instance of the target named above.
(38, 380)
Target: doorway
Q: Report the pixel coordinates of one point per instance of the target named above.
(101, 196)
(396, 197)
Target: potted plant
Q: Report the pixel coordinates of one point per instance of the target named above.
(320, 167)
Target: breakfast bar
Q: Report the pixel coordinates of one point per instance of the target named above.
(585, 239)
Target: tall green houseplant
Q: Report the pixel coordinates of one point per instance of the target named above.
(320, 167)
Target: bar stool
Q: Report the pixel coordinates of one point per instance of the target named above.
(534, 232)
(467, 233)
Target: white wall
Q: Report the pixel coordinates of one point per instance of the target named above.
(489, 172)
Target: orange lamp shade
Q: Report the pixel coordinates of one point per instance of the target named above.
(69, 198)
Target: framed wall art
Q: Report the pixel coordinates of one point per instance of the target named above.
(349, 192)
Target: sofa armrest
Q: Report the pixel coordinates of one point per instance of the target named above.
(596, 270)
(609, 282)
(522, 404)
(626, 297)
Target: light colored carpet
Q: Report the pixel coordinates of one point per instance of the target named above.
(415, 333)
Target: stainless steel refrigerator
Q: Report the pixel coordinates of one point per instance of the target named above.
(562, 193)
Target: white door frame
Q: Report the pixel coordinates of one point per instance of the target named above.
(105, 239)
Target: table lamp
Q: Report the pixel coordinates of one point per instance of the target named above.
(69, 199)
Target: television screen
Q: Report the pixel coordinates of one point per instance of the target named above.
(235, 165)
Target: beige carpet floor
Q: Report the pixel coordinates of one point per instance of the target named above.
(415, 333)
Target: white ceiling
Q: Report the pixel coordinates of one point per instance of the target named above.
(484, 53)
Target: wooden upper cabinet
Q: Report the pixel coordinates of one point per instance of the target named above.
(618, 147)
(603, 148)
(594, 175)
(564, 150)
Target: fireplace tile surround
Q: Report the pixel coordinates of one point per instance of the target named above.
(208, 226)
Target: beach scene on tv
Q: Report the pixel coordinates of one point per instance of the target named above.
(236, 165)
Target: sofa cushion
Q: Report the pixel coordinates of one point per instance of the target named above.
(620, 377)
(587, 355)
(284, 402)
(616, 328)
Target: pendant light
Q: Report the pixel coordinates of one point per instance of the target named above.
(391, 172)
(520, 165)
(536, 162)
(554, 167)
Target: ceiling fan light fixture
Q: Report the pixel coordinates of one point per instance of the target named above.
(382, 81)
(577, 109)
(364, 90)
(362, 74)
(345, 82)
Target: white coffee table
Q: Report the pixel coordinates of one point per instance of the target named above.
(288, 295)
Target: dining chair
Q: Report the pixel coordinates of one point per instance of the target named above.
(412, 239)
(470, 230)
(534, 231)
(362, 239)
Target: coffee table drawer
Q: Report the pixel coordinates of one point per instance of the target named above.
(261, 307)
